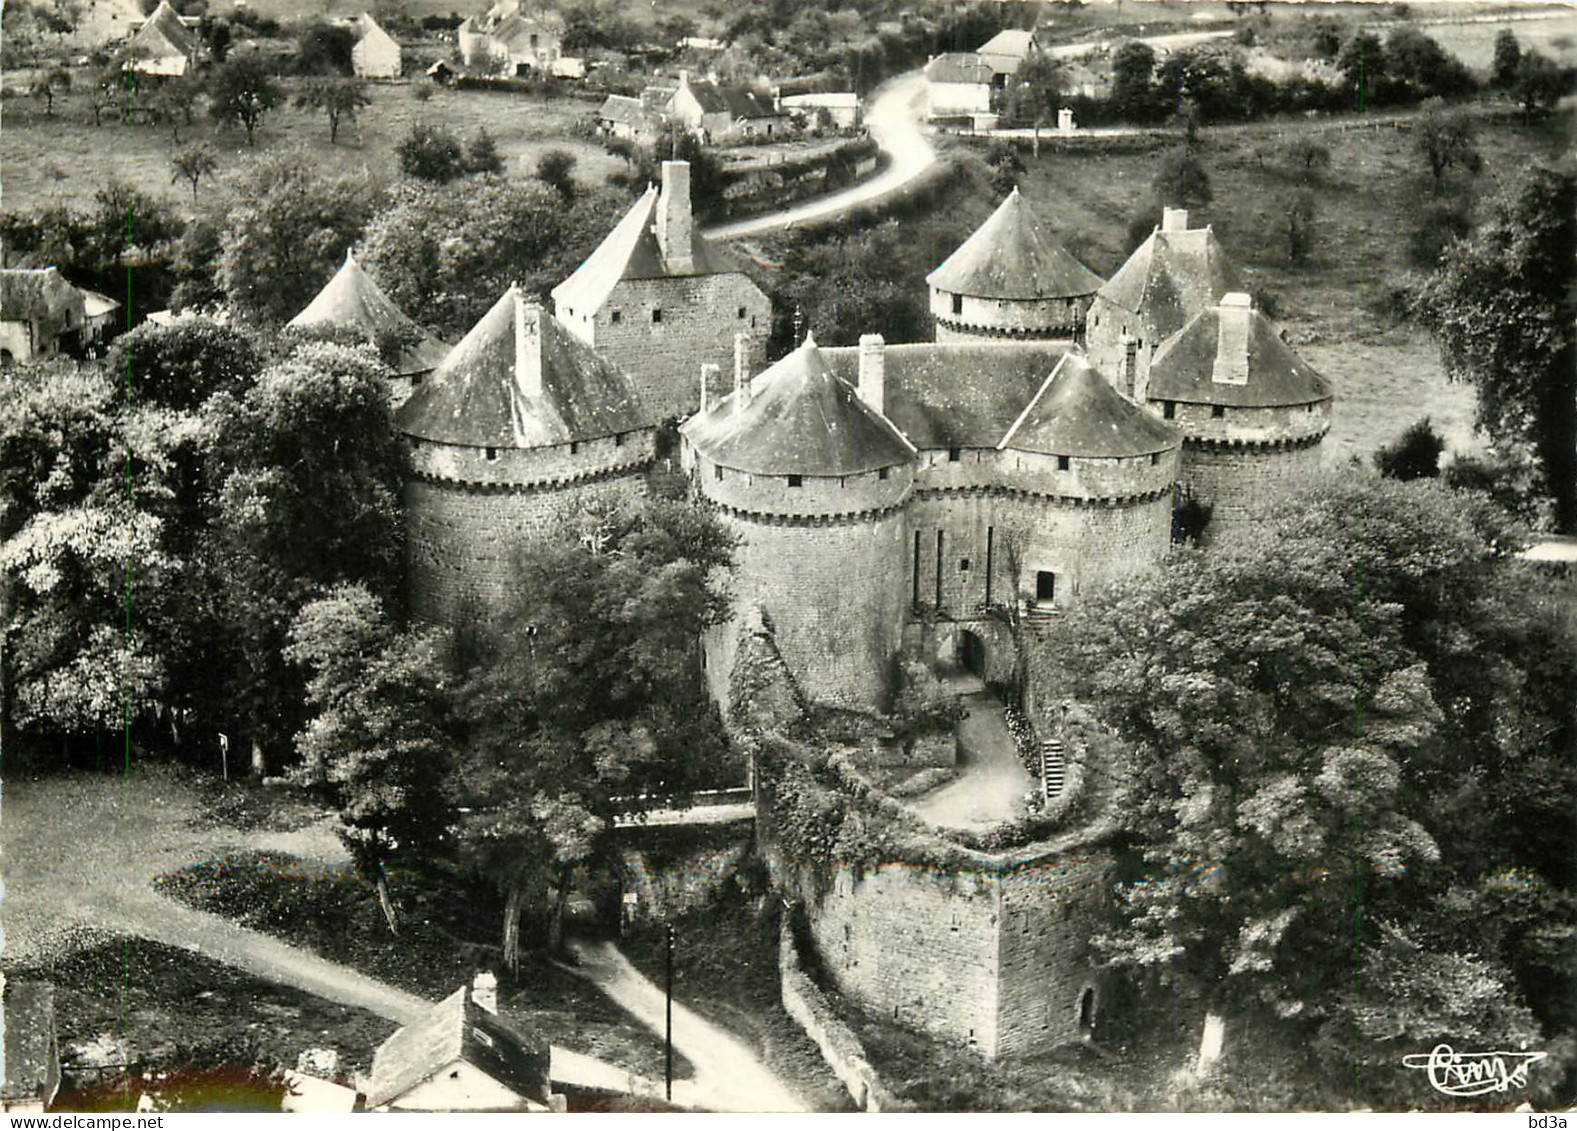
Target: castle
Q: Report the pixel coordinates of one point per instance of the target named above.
(933, 497)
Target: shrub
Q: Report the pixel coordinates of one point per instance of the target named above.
(430, 153)
(1414, 455)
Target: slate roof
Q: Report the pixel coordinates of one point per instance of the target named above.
(956, 394)
(96, 305)
(1181, 369)
(459, 1029)
(163, 35)
(1171, 277)
(481, 395)
(958, 67)
(352, 301)
(631, 251)
(631, 111)
(1078, 413)
(368, 28)
(29, 292)
(1010, 42)
(32, 1052)
(801, 420)
(1011, 256)
(735, 101)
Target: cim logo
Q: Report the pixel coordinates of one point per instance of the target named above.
(1455, 1073)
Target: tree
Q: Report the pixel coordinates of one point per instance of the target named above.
(1006, 168)
(105, 92)
(1501, 308)
(1414, 455)
(1181, 180)
(181, 364)
(378, 740)
(1362, 64)
(1133, 67)
(1300, 225)
(1539, 85)
(340, 99)
(49, 86)
(482, 155)
(1307, 157)
(1508, 54)
(1036, 93)
(241, 90)
(192, 164)
(1444, 138)
(325, 49)
(431, 153)
(556, 169)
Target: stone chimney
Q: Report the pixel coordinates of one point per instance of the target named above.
(675, 225)
(484, 991)
(873, 371)
(528, 345)
(741, 370)
(1174, 219)
(710, 372)
(1128, 366)
(1235, 313)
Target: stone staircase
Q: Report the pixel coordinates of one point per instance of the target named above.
(1054, 770)
(1038, 617)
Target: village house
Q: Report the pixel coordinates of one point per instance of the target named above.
(507, 40)
(957, 85)
(375, 55)
(1006, 52)
(164, 47)
(41, 315)
(628, 117)
(717, 113)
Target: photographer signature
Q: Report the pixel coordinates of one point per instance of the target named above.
(1474, 1073)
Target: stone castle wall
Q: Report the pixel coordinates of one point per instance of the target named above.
(965, 318)
(1244, 483)
(700, 314)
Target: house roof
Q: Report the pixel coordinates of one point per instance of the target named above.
(519, 379)
(959, 67)
(1182, 368)
(516, 30)
(735, 101)
(368, 28)
(1012, 256)
(631, 251)
(955, 394)
(800, 419)
(352, 301)
(1078, 413)
(1171, 277)
(459, 1029)
(32, 1056)
(621, 108)
(1013, 41)
(36, 292)
(96, 305)
(163, 35)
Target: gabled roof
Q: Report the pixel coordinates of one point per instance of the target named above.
(368, 28)
(521, 380)
(517, 30)
(459, 1029)
(1171, 277)
(352, 301)
(32, 1052)
(1011, 256)
(959, 67)
(1013, 42)
(163, 35)
(1078, 413)
(1182, 368)
(955, 394)
(96, 305)
(631, 252)
(800, 420)
(622, 108)
(735, 101)
(36, 292)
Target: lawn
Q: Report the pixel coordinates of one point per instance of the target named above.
(62, 159)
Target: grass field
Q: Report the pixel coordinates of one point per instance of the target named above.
(63, 160)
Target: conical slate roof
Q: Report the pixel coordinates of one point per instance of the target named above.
(1011, 257)
(1171, 277)
(520, 380)
(1078, 413)
(800, 420)
(352, 301)
(1183, 368)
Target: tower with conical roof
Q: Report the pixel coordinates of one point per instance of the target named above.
(1252, 412)
(352, 303)
(519, 429)
(1175, 274)
(1011, 279)
(811, 474)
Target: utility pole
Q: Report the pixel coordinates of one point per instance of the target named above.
(668, 1040)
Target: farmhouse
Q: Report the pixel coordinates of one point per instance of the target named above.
(375, 55)
(721, 113)
(508, 40)
(958, 85)
(163, 46)
(41, 314)
(843, 107)
(1006, 52)
(623, 116)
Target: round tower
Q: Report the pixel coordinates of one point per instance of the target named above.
(1087, 477)
(518, 431)
(813, 478)
(1252, 412)
(1012, 279)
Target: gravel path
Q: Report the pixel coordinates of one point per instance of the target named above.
(991, 785)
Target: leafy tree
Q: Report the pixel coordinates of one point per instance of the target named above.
(1308, 157)
(431, 153)
(1362, 63)
(1036, 93)
(1181, 179)
(340, 99)
(105, 92)
(1416, 60)
(1439, 222)
(1006, 168)
(1539, 85)
(1444, 138)
(556, 169)
(218, 36)
(192, 164)
(1501, 308)
(1414, 455)
(1133, 68)
(50, 86)
(377, 741)
(325, 49)
(1508, 54)
(181, 364)
(678, 144)
(482, 155)
(241, 90)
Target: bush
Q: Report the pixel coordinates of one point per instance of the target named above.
(430, 153)
(1414, 455)
(1439, 223)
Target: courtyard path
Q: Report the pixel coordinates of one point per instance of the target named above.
(992, 783)
(728, 1075)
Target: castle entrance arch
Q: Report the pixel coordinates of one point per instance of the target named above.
(972, 653)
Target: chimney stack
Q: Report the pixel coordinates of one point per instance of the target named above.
(1128, 366)
(675, 225)
(484, 991)
(710, 372)
(1174, 219)
(873, 371)
(528, 345)
(741, 370)
(1235, 313)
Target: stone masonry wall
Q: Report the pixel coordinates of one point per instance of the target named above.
(1244, 484)
(993, 320)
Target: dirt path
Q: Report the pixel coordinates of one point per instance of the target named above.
(991, 787)
(728, 1075)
